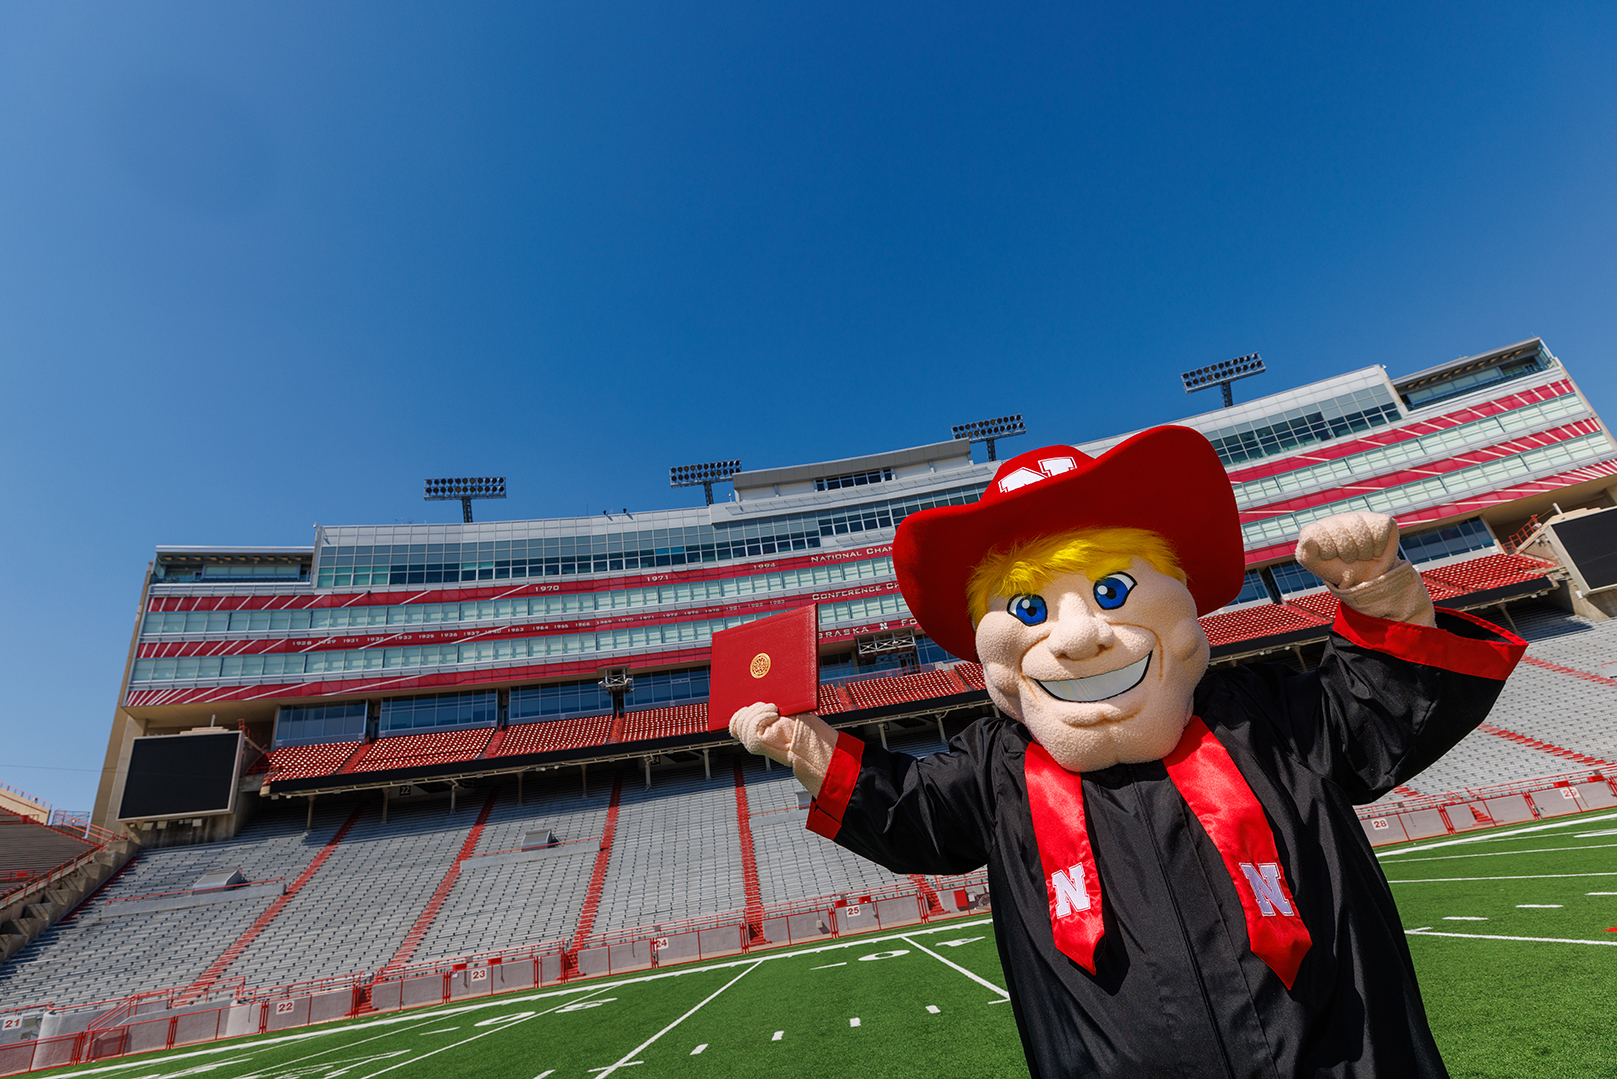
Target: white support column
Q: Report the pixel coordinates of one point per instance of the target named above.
(309, 823)
(648, 771)
(707, 764)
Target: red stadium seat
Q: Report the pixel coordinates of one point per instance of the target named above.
(1267, 619)
(1481, 574)
(664, 722)
(306, 762)
(555, 735)
(415, 750)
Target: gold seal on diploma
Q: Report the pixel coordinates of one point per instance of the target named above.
(760, 665)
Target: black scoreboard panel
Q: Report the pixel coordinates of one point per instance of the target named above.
(181, 775)
(1591, 543)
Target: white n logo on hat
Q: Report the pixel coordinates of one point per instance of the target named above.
(1048, 466)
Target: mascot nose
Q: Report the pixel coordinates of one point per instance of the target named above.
(1078, 633)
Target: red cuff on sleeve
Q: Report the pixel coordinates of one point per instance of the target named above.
(1434, 647)
(825, 812)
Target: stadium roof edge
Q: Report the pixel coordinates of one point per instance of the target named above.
(937, 451)
(206, 549)
(1482, 357)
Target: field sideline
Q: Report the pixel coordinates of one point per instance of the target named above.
(1513, 933)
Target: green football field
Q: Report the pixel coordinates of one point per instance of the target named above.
(1514, 934)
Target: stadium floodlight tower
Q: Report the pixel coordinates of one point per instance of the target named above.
(704, 476)
(465, 488)
(988, 430)
(1222, 374)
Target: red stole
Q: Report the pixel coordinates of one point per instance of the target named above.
(1205, 776)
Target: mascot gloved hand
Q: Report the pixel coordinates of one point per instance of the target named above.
(1181, 885)
(803, 743)
(1356, 555)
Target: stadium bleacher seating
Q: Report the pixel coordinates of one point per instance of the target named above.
(497, 903)
(1261, 620)
(664, 722)
(408, 750)
(98, 953)
(555, 735)
(675, 854)
(29, 849)
(303, 762)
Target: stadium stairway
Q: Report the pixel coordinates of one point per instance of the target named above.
(221, 964)
(429, 914)
(507, 897)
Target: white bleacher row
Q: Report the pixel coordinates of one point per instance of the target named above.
(354, 913)
(1561, 709)
(495, 906)
(676, 855)
(98, 955)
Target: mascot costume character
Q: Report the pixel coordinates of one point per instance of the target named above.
(1181, 887)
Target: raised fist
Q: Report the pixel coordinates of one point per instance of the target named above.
(763, 730)
(1348, 549)
(804, 743)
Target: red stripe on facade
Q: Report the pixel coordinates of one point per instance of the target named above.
(469, 679)
(581, 583)
(1404, 434)
(1470, 458)
(362, 641)
(1600, 470)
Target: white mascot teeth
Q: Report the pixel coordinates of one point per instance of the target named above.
(1099, 687)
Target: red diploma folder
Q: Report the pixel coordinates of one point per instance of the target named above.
(775, 659)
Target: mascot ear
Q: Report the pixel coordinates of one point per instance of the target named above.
(1003, 681)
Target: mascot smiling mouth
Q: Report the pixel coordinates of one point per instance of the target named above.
(1098, 687)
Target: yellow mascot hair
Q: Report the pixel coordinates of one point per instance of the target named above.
(1094, 552)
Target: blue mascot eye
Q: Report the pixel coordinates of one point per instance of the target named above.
(1029, 610)
(1110, 592)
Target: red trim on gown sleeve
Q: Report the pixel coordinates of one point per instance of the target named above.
(1434, 647)
(825, 812)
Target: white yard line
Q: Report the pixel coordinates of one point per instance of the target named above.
(1495, 936)
(974, 977)
(474, 1037)
(1576, 820)
(1527, 876)
(1508, 853)
(628, 1058)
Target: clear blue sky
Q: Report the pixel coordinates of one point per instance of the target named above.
(265, 265)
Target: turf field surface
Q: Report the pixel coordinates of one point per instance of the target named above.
(1514, 936)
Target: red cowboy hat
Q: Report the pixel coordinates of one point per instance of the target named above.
(1168, 480)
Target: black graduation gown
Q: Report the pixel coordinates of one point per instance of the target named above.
(1177, 991)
